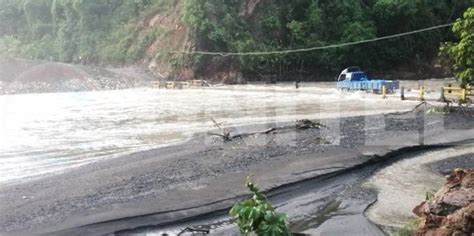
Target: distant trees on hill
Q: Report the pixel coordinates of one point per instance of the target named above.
(108, 31)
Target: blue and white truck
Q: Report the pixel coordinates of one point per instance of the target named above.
(354, 79)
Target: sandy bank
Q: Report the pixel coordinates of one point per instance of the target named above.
(204, 174)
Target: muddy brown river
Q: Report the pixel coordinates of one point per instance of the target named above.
(44, 134)
(47, 133)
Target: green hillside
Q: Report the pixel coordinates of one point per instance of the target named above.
(117, 32)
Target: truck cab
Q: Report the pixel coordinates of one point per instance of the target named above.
(352, 74)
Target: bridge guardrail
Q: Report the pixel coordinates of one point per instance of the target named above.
(178, 84)
(447, 94)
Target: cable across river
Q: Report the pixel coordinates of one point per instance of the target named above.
(226, 54)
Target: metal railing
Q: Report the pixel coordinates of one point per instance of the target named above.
(461, 93)
(178, 84)
(447, 94)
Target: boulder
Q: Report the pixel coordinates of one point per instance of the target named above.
(451, 211)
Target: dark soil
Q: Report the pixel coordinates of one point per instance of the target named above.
(446, 167)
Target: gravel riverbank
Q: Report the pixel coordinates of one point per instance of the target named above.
(206, 174)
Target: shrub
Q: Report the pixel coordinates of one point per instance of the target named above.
(256, 215)
(459, 56)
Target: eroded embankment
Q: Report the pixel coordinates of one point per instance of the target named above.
(203, 175)
(19, 76)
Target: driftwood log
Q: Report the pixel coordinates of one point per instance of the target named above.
(300, 125)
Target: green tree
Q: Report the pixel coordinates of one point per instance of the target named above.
(117, 31)
(460, 55)
(256, 215)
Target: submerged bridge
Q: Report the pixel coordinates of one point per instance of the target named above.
(179, 84)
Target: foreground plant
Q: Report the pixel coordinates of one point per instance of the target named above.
(408, 229)
(256, 215)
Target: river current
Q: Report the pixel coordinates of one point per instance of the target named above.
(48, 133)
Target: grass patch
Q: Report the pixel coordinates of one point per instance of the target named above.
(407, 230)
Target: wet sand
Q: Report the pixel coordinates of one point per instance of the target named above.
(204, 174)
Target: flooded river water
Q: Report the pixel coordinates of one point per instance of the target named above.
(403, 185)
(45, 133)
(49, 133)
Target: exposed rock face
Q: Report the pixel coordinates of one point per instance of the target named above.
(451, 211)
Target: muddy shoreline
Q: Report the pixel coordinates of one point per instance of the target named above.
(310, 209)
(205, 174)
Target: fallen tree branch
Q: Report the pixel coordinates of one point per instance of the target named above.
(225, 137)
(412, 110)
(300, 124)
(218, 125)
(228, 137)
(225, 134)
(308, 124)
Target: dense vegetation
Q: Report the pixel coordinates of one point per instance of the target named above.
(77, 30)
(109, 31)
(308, 23)
(460, 55)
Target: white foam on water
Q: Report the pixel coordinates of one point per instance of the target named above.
(403, 185)
(47, 133)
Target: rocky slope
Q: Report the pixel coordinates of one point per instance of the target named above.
(451, 210)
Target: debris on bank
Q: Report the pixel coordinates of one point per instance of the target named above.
(303, 124)
(451, 209)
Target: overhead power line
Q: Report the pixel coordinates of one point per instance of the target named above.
(226, 54)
